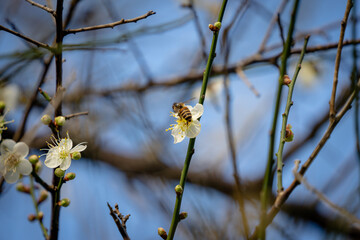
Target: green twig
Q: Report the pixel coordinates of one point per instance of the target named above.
(267, 178)
(190, 150)
(285, 116)
(43, 229)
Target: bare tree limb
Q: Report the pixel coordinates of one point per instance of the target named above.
(109, 25)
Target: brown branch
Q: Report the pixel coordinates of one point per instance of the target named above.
(217, 70)
(117, 219)
(75, 115)
(109, 25)
(38, 44)
(338, 58)
(283, 196)
(43, 7)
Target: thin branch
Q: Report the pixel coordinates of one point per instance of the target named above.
(38, 44)
(216, 70)
(76, 115)
(281, 198)
(121, 228)
(190, 151)
(271, 26)
(247, 82)
(342, 211)
(43, 229)
(338, 58)
(41, 182)
(285, 116)
(270, 158)
(43, 7)
(109, 25)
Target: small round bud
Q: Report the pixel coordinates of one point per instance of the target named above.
(178, 189)
(218, 25)
(76, 155)
(22, 188)
(43, 196)
(40, 216)
(69, 176)
(213, 28)
(31, 217)
(46, 119)
(33, 159)
(60, 121)
(38, 166)
(183, 215)
(64, 202)
(162, 233)
(2, 106)
(287, 80)
(289, 135)
(59, 172)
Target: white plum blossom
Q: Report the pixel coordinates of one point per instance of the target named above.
(184, 128)
(12, 160)
(60, 152)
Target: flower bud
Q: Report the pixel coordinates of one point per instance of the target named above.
(162, 233)
(218, 25)
(2, 106)
(287, 80)
(76, 155)
(183, 215)
(289, 135)
(64, 202)
(33, 159)
(43, 196)
(60, 121)
(59, 172)
(40, 216)
(178, 190)
(69, 176)
(31, 217)
(22, 188)
(46, 119)
(38, 166)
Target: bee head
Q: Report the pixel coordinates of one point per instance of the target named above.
(177, 106)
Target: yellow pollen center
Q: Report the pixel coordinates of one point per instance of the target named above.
(11, 162)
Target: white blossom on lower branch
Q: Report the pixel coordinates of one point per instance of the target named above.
(12, 160)
(61, 151)
(184, 128)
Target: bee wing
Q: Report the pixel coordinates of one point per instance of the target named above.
(189, 100)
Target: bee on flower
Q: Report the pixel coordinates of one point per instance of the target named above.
(61, 151)
(187, 123)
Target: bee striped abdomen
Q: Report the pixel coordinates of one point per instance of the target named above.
(185, 114)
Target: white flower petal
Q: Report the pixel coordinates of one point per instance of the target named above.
(66, 163)
(52, 158)
(11, 177)
(22, 149)
(68, 143)
(2, 166)
(24, 167)
(178, 134)
(79, 148)
(7, 146)
(197, 111)
(194, 129)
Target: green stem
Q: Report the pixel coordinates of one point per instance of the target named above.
(267, 178)
(190, 150)
(285, 116)
(43, 229)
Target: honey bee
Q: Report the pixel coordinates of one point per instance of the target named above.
(182, 111)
